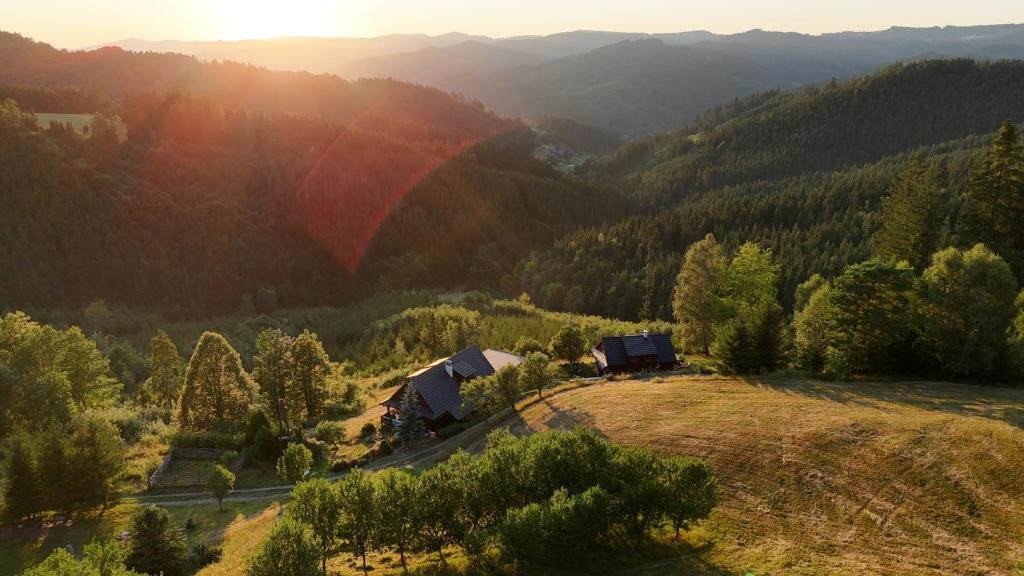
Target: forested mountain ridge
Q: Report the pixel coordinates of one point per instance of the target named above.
(803, 174)
(113, 73)
(781, 134)
(634, 83)
(240, 180)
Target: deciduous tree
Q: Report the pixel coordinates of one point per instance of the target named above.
(310, 368)
(272, 372)
(221, 482)
(966, 307)
(317, 504)
(288, 550)
(294, 463)
(217, 388)
(569, 344)
(693, 300)
(166, 372)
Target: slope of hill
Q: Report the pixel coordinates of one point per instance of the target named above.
(880, 478)
(803, 174)
(251, 179)
(582, 76)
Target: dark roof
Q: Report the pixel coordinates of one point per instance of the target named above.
(438, 390)
(619, 349)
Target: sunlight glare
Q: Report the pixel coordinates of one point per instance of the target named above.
(246, 19)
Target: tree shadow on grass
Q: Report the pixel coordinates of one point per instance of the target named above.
(1001, 404)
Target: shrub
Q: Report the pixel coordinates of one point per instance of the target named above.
(368, 429)
(201, 554)
(293, 465)
(228, 458)
(197, 439)
(330, 432)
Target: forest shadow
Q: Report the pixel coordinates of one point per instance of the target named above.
(1001, 404)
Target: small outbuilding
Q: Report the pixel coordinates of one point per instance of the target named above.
(635, 353)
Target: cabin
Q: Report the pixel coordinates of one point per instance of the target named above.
(635, 353)
(439, 384)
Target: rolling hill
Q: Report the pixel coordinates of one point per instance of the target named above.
(800, 173)
(312, 187)
(884, 478)
(631, 82)
(880, 478)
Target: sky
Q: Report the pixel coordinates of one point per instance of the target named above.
(81, 23)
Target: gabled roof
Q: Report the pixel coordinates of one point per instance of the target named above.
(498, 359)
(619, 349)
(439, 391)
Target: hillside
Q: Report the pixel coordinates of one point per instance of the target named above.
(803, 174)
(880, 478)
(817, 478)
(596, 77)
(315, 189)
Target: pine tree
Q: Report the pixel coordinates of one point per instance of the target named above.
(995, 203)
(913, 215)
(156, 547)
(22, 495)
(410, 423)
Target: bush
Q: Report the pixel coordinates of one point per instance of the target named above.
(526, 345)
(201, 555)
(227, 459)
(197, 439)
(368, 429)
(294, 464)
(330, 432)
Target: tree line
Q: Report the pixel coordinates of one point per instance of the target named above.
(539, 501)
(918, 306)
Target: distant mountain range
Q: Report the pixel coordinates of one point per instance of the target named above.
(633, 83)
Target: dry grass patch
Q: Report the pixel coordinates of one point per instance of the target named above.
(879, 478)
(241, 540)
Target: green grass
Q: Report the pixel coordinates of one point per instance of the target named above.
(78, 122)
(28, 543)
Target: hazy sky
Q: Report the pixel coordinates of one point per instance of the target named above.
(78, 23)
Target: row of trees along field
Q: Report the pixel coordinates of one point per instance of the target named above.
(914, 308)
(550, 499)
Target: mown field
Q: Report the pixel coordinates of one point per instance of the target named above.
(886, 478)
(827, 478)
(818, 478)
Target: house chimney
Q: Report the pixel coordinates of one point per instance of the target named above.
(448, 368)
(647, 333)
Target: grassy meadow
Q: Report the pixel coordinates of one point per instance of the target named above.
(817, 478)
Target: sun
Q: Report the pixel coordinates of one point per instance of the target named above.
(244, 19)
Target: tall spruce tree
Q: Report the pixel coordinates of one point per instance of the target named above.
(913, 215)
(693, 300)
(995, 200)
(156, 546)
(410, 423)
(22, 495)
